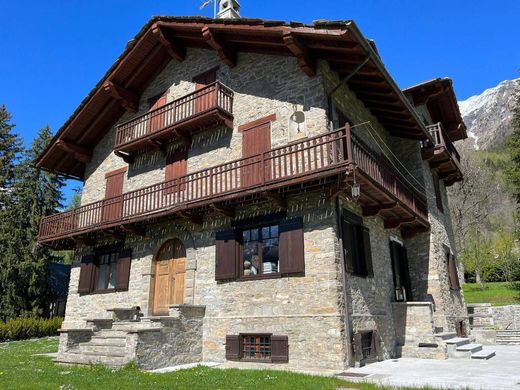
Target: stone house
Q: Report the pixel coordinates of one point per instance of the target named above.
(258, 191)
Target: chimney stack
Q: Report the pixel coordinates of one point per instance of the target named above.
(228, 9)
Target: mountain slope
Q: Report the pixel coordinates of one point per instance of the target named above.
(488, 116)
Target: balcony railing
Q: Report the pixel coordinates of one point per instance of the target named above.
(314, 158)
(213, 99)
(441, 138)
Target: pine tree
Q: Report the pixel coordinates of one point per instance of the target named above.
(36, 193)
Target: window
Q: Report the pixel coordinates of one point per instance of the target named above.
(265, 247)
(356, 245)
(260, 250)
(438, 195)
(367, 346)
(256, 347)
(106, 271)
(262, 347)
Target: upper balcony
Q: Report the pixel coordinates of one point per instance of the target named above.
(442, 155)
(208, 106)
(330, 161)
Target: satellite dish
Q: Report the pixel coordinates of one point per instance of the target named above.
(298, 117)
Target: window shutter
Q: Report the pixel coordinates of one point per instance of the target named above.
(291, 250)
(405, 272)
(453, 273)
(367, 252)
(358, 350)
(347, 245)
(123, 269)
(85, 274)
(226, 255)
(233, 347)
(279, 349)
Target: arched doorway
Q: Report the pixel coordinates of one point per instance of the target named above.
(170, 270)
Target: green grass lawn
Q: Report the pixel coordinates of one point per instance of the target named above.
(498, 294)
(20, 369)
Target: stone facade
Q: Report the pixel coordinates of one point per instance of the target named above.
(318, 311)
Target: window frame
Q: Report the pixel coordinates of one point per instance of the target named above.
(360, 266)
(242, 336)
(114, 250)
(260, 225)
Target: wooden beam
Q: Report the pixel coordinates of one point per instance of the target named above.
(228, 56)
(137, 230)
(224, 210)
(276, 198)
(127, 157)
(411, 232)
(88, 241)
(396, 223)
(175, 50)
(184, 137)
(156, 144)
(128, 100)
(195, 219)
(80, 153)
(371, 211)
(305, 60)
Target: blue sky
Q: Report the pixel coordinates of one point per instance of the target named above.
(54, 52)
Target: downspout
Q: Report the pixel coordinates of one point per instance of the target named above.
(346, 324)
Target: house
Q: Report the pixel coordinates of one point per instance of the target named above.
(258, 191)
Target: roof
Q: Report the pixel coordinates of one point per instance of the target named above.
(163, 38)
(439, 96)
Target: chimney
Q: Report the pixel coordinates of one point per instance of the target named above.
(228, 9)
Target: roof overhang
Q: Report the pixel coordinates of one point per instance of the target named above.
(339, 43)
(439, 97)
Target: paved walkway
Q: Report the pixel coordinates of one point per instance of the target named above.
(499, 372)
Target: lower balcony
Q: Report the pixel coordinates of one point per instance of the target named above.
(329, 162)
(442, 155)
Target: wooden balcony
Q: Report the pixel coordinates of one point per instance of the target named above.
(442, 155)
(327, 161)
(208, 106)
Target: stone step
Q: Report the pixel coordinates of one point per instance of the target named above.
(508, 342)
(102, 350)
(77, 358)
(508, 333)
(110, 333)
(445, 335)
(470, 348)
(113, 341)
(129, 325)
(483, 355)
(458, 341)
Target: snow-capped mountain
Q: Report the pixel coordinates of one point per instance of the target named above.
(488, 116)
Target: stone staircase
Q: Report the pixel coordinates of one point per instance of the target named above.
(122, 340)
(508, 337)
(463, 348)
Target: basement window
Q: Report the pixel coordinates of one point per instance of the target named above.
(256, 347)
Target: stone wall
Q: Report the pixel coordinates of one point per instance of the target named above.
(483, 315)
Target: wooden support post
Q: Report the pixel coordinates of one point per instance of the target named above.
(372, 211)
(175, 49)
(156, 144)
(137, 230)
(195, 219)
(128, 100)
(80, 153)
(184, 137)
(127, 157)
(397, 223)
(227, 55)
(305, 60)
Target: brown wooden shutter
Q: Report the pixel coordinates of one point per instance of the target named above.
(226, 255)
(233, 349)
(279, 349)
(176, 166)
(347, 245)
(123, 269)
(358, 349)
(291, 249)
(367, 252)
(453, 272)
(85, 274)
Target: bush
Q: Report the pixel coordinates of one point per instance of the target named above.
(26, 328)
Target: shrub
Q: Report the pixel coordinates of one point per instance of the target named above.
(26, 328)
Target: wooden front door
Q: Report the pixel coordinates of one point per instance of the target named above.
(401, 272)
(157, 121)
(170, 271)
(113, 203)
(255, 141)
(205, 100)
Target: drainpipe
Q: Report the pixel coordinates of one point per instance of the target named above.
(346, 324)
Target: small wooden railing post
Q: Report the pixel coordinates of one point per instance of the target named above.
(349, 156)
